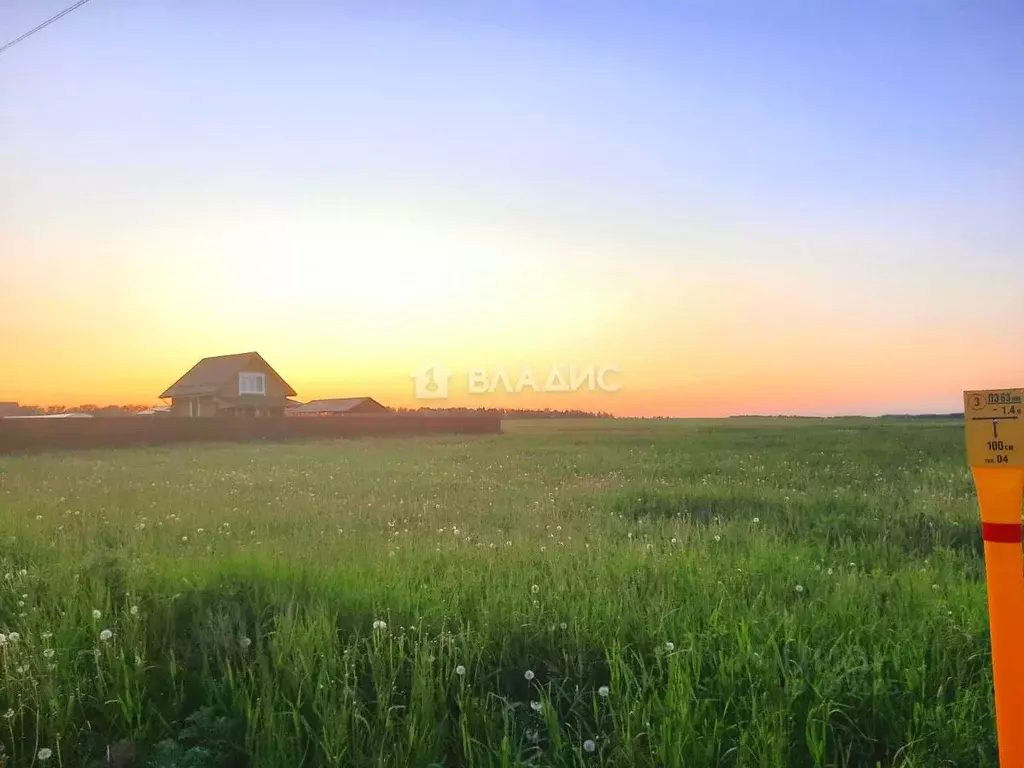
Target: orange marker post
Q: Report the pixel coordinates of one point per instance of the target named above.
(994, 431)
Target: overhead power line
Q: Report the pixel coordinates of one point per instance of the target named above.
(45, 24)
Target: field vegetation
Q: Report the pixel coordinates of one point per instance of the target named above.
(760, 593)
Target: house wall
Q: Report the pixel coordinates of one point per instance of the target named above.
(180, 406)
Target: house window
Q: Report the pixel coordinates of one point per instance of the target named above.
(252, 384)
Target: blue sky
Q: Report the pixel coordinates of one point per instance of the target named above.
(870, 150)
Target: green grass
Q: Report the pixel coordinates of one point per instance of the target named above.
(752, 593)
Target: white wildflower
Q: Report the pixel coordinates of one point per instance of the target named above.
(45, 753)
(589, 745)
(105, 635)
(670, 646)
(134, 610)
(48, 653)
(96, 613)
(529, 675)
(535, 589)
(799, 588)
(603, 691)
(14, 637)
(460, 670)
(536, 706)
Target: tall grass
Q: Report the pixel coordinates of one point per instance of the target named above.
(782, 594)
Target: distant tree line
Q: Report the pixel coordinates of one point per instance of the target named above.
(514, 413)
(94, 410)
(852, 416)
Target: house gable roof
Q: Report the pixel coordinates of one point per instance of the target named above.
(210, 374)
(333, 405)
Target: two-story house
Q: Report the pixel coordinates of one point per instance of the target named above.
(230, 385)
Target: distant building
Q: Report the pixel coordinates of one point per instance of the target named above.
(159, 410)
(230, 385)
(338, 406)
(8, 409)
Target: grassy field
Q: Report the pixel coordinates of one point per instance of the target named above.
(745, 593)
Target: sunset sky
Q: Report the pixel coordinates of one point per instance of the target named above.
(748, 207)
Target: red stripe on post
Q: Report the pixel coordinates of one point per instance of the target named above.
(1001, 533)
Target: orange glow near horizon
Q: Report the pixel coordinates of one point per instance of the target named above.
(690, 340)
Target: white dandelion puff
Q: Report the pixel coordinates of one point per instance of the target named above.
(536, 706)
(134, 610)
(48, 653)
(799, 588)
(535, 589)
(529, 674)
(603, 691)
(460, 670)
(105, 635)
(96, 613)
(589, 745)
(670, 646)
(45, 753)
(14, 637)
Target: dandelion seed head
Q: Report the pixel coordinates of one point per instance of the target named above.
(460, 670)
(536, 706)
(670, 646)
(14, 637)
(48, 653)
(45, 753)
(96, 613)
(529, 674)
(105, 635)
(799, 588)
(603, 691)
(589, 745)
(535, 589)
